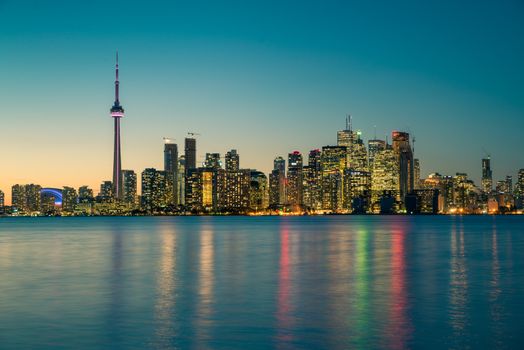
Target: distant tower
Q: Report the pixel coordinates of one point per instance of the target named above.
(487, 175)
(117, 112)
(190, 153)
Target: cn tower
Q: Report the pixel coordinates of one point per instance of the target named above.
(117, 112)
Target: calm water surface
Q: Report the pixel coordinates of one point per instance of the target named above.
(257, 283)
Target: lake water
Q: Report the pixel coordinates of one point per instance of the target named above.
(337, 282)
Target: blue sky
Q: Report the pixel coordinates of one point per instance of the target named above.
(264, 77)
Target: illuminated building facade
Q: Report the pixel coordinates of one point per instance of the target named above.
(213, 161)
(333, 161)
(232, 160)
(190, 153)
(171, 168)
(487, 176)
(374, 146)
(357, 190)
(294, 181)
(69, 199)
(129, 188)
(106, 192)
(385, 176)
(26, 198)
(402, 148)
(155, 190)
(258, 191)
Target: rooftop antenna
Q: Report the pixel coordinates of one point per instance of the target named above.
(375, 131)
(350, 122)
(347, 122)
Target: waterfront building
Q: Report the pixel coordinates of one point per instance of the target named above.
(423, 201)
(294, 181)
(171, 168)
(232, 160)
(234, 190)
(519, 190)
(155, 190)
(26, 199)
(333, 162)
(357, 190)
(85, 195)
(416, 173)
(385, 178)
(190, 154)
(374, 146)
(274, 189)
(129, 188)
(313, 180)
(258, 191)
(402, 148)
(2, 202)
(487, 176)
(181, 181)
(69, 199)
(106, 192)
(213, 161)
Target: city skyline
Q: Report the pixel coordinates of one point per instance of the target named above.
(58, 132)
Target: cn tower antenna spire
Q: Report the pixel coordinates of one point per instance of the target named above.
(117, 97)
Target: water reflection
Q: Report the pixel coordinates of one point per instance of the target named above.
(362, 272)
(458, 315)
(205, 286)
(115, 317)
(166, 330)
(401, 327)
(284, 307)
(495, 290)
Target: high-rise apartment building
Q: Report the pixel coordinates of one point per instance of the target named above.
(487, 176)
(171, 168)
(294, 181)
(213, 161)
(333, 162)
(258, 191)
(129, 188)
(232, 160)
(26, 198)
(190, 153)
(402, 148)
(69, 199)
(385, 176)
(155, 190)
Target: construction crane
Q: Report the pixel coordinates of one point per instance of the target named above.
(193, 134)
(168, 139)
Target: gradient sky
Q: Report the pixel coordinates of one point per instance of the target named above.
(264, 77)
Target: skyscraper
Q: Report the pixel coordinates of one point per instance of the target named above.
(232, 160)
(402, 148)
(333, 162)
(117, 112)
(69, 199)
(213, 161)
(190, 153)
(171, 168)
(279, 167)
(2, 203)
(294, 181)
(487, 176)
(385, 176)
(375, 146)
(154, 190)
(129, 187)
